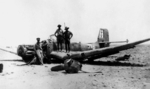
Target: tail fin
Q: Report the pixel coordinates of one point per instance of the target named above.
(103, 35)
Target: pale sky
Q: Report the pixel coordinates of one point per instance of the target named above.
(22, 21)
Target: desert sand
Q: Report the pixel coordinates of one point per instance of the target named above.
(130, 74)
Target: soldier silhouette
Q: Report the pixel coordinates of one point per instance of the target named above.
(38, 53)
(67, 36)
(59, 36)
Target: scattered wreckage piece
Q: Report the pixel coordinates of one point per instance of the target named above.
(26, 52)
(1, 68)
(70, 66)
(123, 58)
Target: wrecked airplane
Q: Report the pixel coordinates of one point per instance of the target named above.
(79, 51)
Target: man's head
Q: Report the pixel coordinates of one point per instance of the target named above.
(44, 41)
(59, 26)
(38, 39)
(66, 28)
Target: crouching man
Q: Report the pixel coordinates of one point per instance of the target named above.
(38, 59)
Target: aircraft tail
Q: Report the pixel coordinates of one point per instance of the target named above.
(103, 35)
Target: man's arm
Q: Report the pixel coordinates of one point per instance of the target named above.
(55, 33)
(35, 47)
(71, 35)
(40, 45)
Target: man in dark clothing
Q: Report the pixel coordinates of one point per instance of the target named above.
(44, 49)
(59, 36)
(38, 53)
(67, 36)
(44, 46)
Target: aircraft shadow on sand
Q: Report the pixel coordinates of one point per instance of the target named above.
(108, 63)
(115, 63)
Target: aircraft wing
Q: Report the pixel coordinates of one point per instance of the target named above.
(102, 52)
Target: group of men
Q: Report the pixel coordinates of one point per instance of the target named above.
(63, 37)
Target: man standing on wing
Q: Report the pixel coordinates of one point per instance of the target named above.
(67, 36)
(59, 36)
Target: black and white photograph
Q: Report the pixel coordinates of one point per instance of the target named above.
(74, 44)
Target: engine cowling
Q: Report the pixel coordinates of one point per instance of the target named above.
(27, 51)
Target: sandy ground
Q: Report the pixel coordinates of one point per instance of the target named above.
(132, 74)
